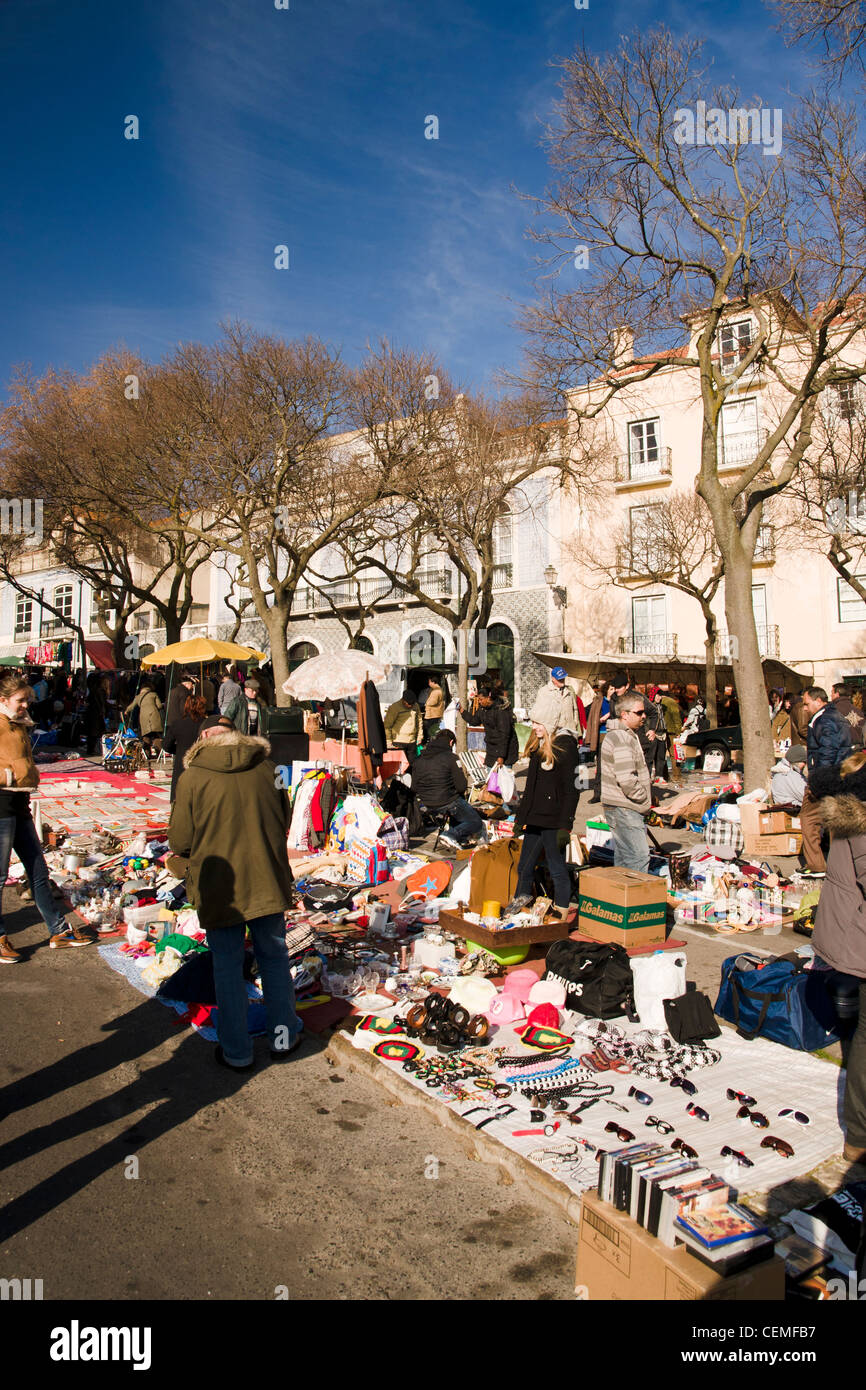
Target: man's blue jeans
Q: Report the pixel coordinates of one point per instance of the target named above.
(19, 833)
(464, 820)
(269, 944)
(630, 843)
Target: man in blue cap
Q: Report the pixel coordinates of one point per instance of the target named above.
(555, 706)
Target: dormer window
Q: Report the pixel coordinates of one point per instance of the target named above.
(735, 339)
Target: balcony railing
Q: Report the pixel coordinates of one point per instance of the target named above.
(56, 627)
(739, 450)
(649, 644)
(346, 594)
(644, 467)
(503, 576)
(768, 642)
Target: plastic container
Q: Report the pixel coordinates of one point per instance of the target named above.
(139, 916)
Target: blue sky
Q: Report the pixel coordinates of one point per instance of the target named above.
(303, 127)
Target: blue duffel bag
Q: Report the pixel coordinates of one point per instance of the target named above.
(779, 999)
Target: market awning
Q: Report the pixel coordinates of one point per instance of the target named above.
(662, 670)
(100, 654)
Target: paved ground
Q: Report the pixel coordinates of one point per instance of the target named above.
(294, 1176)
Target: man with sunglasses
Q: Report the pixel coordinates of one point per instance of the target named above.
(626, 793)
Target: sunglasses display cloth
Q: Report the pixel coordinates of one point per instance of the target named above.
(773, 1077)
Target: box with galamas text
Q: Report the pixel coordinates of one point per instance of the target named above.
(622, 906)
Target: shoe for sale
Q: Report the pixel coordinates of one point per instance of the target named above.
(219, 1057)
(852, 1153)
(7, 955)
(518, 904)
(279, 1054)
(72, 936)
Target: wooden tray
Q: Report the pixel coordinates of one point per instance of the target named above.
(502, 940)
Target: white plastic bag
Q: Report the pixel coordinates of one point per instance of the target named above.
(656, 978)
(507, 785)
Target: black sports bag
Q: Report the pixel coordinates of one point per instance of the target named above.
(597, 977)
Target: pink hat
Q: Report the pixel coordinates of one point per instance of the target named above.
(548, 992)
(506, 1008)
(544, 1016)
(519, 983)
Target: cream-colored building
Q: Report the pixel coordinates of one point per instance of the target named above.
(650, 433)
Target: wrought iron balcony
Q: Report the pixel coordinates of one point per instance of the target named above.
(503, 576)
(645, 467)
(649, 644)
(56, 627)
(765, 546)
(768, 642)
(739, 450)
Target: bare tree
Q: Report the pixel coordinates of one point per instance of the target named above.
(671, 224)
(830, 490)
(675, 548)
(459, 464)
(836, 26)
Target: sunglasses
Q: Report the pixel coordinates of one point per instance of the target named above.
(728, 1152)
(689, 1088)
(640, 1096)
(741, 1097)
(698, 1113)
(685, 1149)
(761, 1121)
(798, 1115)
(625, 1136)
(661, 1125)
(781, 1146)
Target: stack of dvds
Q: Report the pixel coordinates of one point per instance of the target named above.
(679, 1201)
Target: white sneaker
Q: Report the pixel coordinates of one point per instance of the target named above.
(449, 843)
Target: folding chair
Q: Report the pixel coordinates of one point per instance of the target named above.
(476, 772)
(438, 818)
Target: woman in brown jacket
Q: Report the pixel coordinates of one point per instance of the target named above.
(18, 777)
(839, 937)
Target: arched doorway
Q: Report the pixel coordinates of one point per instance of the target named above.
(500, 656)
(299, 652)
(426, 648)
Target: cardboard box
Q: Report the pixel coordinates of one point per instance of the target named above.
(617, 1260)
(622, 906)
(763, 820)
(760, 846)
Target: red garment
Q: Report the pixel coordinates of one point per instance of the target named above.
(317, 815)
(581, 712)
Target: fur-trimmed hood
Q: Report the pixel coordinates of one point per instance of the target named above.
(227, 751)
(844, 816)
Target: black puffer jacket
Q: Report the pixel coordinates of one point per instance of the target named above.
(551, 795)
(437, 777)
(500, 735)
(828, 740)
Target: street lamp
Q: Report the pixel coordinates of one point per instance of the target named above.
(560, 598)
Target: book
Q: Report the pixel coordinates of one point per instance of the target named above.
(625, 1175)
(696, 1195)
(721, 1225)
(731, 1259)
(653, 1205)
(607, 1169)
(648, 1180)
(641, 1170)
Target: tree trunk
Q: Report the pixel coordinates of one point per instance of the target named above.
(710, 649)
(277, 621)
(172, 628)
(748, 672)
(461, 637)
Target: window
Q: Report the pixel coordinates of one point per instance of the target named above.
(500, 656)
(649, 624)
(23, 617)
(301, 651)
(643, 448)
(425, 648)
(646, 542)
(360, 643)
(62, 600)
(852, 609)
(735, 339)
(739, 437)
(141, 621)
(503, 556)
(846, 401)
